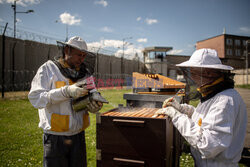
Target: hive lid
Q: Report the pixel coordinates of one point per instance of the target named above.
(144, 81)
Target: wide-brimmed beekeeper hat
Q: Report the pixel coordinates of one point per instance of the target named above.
(79, 44)
(205, 58)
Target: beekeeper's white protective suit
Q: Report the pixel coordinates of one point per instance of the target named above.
(52, 90)
(55, 86)
(216, 128)
(220, 138)
(55, 110)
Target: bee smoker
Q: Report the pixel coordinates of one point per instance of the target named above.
(81, 103)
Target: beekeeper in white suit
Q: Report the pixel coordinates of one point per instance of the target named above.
(52, 90)
(216, 128)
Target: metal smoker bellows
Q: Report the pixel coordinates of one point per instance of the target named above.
(129, 136)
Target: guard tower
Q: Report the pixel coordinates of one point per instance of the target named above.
(155, 59)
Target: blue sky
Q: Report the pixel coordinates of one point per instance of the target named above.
(105, 23)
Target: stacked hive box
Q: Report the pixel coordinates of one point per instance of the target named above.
(131, 136)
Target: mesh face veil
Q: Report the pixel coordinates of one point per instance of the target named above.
(201, 80)
(191, 87)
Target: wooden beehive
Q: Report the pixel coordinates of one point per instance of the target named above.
(131, 137)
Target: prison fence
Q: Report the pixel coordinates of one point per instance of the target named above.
(21, 59)
(20, 80)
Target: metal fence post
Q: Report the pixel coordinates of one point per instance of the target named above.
(247, 42)
(3, 58)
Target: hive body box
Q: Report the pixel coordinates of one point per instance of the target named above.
(136, 139)
(130, 136)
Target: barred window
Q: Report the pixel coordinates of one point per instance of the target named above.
(245, 43)
(229, 52)
(237, 52)
(237, 42)
(229, 41)
(244, 53)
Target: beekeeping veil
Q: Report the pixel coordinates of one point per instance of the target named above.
(88, 65)
(200, 60)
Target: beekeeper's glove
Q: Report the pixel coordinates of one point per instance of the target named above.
(172, 102)
(169, 111)
(75, 91)
(94, 106)
(182, 108)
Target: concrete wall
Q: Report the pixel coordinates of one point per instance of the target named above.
(235, 63)
(240, 77)
(23, 58)
(176, 59)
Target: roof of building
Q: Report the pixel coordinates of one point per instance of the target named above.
(223, 35)
(157, 49)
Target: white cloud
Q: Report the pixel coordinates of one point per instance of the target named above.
(67, 18)
(151, 21)
(106, 29)
(245, 29)
(106, 43)
(22, 2)
(93, 45)
(129, 52)
(117, 47)
(142, 40)
(112, 43)
(173, 52)
(102, 2)
(138, 18)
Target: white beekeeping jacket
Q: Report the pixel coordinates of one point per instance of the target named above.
(55, 110)
(216, 130)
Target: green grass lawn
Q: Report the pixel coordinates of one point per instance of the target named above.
(21, 139)
(243, 86)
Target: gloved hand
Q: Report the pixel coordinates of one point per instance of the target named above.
(76, 91)
(172, 102)
(94, 106)
(169, 111)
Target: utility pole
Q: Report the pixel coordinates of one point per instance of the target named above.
(123, 44)
(67, 33)
(15, 12)
(14, 8)
(67, 30)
